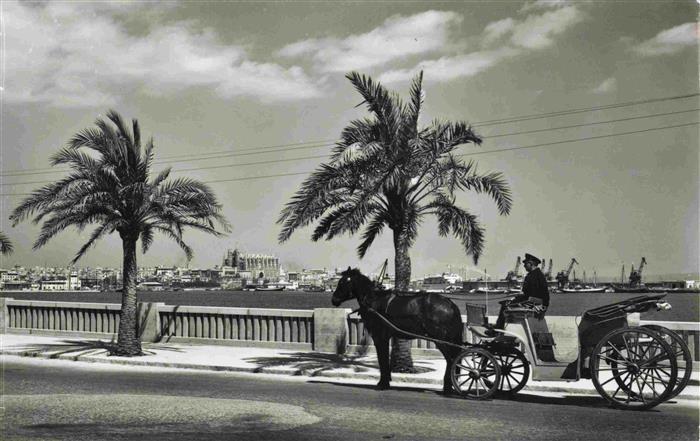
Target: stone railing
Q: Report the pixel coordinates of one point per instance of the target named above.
(279, 328)
(65, 318)
(323, 330)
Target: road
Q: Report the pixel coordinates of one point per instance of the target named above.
(64, 400)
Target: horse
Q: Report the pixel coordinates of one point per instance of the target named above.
(426, 314)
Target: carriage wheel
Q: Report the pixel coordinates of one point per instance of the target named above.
(633, 368)
(475, 373)
(515, 371)
(684, 359)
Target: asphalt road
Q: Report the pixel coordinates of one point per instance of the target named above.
(63, 400)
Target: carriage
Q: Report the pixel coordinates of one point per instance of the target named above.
(631, 366)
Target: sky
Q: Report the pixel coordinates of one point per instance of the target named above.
(249, 98)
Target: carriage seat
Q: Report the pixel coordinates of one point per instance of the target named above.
(478, 323)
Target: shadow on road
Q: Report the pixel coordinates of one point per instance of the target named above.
(588, 401)
(314, 363)
(82, 348)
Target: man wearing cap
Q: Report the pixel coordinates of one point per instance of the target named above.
(535, 289)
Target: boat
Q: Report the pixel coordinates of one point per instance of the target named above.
(661, 289)
(630, 289)
(435, 284)
(584, 290)
(491, 291)
(270, 288)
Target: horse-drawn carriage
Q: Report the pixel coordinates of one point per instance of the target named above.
(631, 366)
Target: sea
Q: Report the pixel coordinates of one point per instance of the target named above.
(685, 307)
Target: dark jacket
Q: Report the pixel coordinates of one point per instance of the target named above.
(535, 285)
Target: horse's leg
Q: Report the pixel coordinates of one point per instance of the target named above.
(449, 353)
(381, 344)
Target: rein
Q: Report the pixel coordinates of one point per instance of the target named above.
(392, 326)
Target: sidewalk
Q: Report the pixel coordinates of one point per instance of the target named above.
(266, 361)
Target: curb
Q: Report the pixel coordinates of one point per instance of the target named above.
(396, 378)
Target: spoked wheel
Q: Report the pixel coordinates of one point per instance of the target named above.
(633, 368)
(515, 371)
(684, 359)
(475, 374)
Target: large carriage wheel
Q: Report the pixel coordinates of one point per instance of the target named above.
(633, 368)
(475, 373)
(684, 359)
(515, 371)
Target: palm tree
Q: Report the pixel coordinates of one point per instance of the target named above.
(110, 185)
(5, 244)
(388, 171)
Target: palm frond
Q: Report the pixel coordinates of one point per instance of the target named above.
(460, 223)
(97, 234)
(176, 235)
(146, 238)
(494, 184)
(374, 228)
(6, 246)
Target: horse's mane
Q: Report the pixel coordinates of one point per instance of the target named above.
(366, 284)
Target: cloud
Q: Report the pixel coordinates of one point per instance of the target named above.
(79, 55)
(449, 68)
(497, 29)
(607, 86)
(397, 38)
(538, 31)
(544, 4)
(669, 41)
(501, 40)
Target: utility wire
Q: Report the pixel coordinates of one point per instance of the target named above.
(272, 161)
(533, 146)
(324, 143)
(588, 138)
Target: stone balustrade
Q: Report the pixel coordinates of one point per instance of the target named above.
(332, 330)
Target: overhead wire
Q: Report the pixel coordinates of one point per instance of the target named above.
(533, 146)
(325, 143)
(272, 161)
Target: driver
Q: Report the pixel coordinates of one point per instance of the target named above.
(535, 290)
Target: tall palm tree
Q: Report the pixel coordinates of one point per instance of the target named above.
(5, 244)
(110, 185)
(388, 171)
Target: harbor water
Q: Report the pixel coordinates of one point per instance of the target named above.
(685, 306)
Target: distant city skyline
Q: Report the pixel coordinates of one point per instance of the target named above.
(589, 110)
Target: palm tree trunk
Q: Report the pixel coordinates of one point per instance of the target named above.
(401, 360)
(128, 342)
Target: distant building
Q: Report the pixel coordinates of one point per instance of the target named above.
(254, 264)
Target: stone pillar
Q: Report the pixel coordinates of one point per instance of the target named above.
(331, 330)
(148, 322)
(4, 314)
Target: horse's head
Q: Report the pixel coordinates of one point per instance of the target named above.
(350, 281)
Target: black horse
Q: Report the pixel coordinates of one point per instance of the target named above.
(425, 314)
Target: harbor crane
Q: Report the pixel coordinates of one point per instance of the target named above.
(382, 273)
(636, 276)
(514, 276)
(548, 273)
(563, 276)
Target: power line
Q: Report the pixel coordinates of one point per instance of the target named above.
(588, 138)
(250, 178)
(580, 110)
(273, 161)
(591, 124)
(324, 143)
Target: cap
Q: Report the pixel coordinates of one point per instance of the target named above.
(531, 258)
